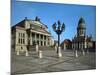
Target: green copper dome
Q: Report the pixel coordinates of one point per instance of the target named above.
(81, 23)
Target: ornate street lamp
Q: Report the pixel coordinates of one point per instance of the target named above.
(58, 29)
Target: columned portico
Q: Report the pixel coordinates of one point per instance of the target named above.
(29, 32)
(40, 39)
(81, 35)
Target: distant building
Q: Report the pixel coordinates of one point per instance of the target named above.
(81, 40)
(27, 33)
(66, 44)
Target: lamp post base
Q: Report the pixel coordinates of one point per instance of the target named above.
(76, 53)
(59, 52)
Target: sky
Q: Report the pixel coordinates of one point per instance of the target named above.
(49, 13)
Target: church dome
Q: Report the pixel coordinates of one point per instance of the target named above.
(81, 23)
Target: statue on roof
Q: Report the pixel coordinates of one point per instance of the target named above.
(37, 19)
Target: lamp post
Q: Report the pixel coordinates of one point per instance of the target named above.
(58, 29)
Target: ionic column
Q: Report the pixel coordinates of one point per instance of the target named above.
(43, 40)
(46, 40)
(30, 38)
(50, 41)
(39, 40)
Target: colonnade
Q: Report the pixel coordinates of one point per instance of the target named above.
(81, 45)
(40, 39)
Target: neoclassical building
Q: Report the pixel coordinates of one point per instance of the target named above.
(27, 33)
(81, 40)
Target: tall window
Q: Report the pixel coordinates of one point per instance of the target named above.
(23, 41)
(23, 35)
(19, 35)
(21, 38)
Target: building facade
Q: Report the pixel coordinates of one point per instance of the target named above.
(81, 40)
(27, 33)
(66, 44)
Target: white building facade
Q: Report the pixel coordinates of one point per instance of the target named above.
(27, 33)
(81, 40)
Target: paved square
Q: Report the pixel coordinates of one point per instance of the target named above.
(21, 64)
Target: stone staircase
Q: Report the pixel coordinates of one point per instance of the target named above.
(46, 48)
(33, 48)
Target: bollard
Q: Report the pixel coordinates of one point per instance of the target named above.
(26, 53)
(59, 52)
(17, 52)
(40, 55)
(37, 49)
(87, 52)
(56, 48)
(83, 52)
(76, 53)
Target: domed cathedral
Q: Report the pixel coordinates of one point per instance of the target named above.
(81, 29)
(81, 40)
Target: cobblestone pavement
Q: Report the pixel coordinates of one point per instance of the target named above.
(21, 64)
